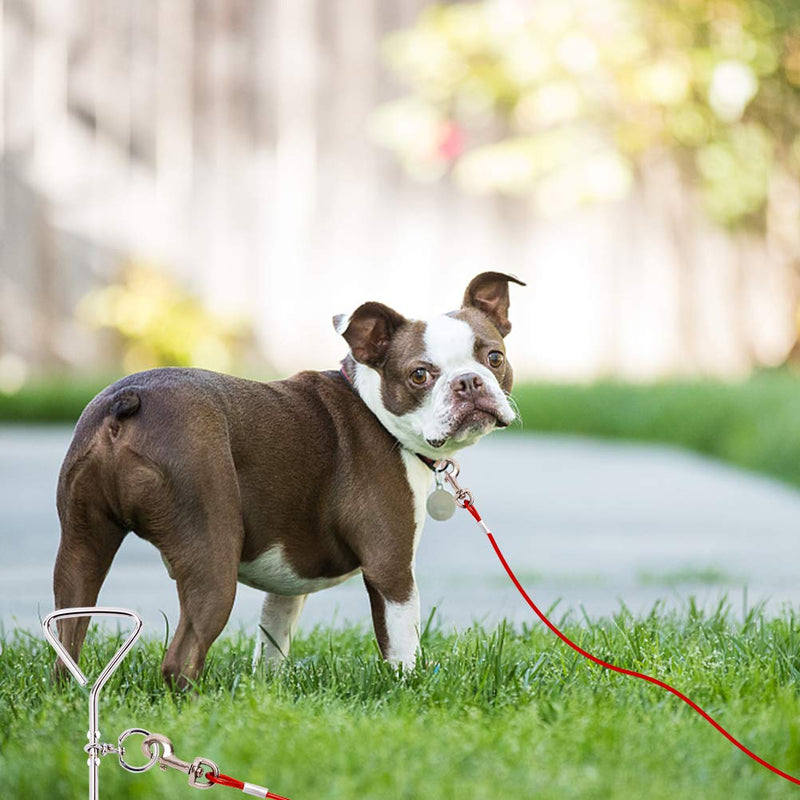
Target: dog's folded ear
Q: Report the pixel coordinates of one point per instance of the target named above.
(488, 292)
(369, 331)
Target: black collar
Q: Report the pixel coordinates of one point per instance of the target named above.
(428, 462)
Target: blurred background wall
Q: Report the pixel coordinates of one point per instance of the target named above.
(252, 167)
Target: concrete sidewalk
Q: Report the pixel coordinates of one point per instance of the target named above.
(589, 523)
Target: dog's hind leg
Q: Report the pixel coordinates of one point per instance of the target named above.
(202, 544)
(279, 616)
(89, 542)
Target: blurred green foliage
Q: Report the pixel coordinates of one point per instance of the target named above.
(54, 399)
(158, 323)
(563, 103)
(754, 424)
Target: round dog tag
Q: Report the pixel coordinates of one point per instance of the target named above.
(441, 505)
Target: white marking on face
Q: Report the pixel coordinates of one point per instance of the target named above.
(402, 629)
(404, 428)
(450, 343)
(450, 347)
(271, 572)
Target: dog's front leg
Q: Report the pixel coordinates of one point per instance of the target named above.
(395, 616)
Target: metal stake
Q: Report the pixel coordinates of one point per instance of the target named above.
(94, 748)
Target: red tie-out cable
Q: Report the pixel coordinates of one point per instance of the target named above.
(468, 505)
(247, 788)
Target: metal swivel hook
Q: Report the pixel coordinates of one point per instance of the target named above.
(166, 758)
(449, 469)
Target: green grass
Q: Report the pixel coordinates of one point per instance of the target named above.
(486, 716)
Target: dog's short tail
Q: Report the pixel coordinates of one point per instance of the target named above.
(125, 403)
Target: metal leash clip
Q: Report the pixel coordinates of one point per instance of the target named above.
(448, 469)
(166, 758)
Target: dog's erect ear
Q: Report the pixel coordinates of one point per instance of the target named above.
(488, 292)
(369, 330)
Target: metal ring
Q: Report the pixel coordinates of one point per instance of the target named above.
(154, 751)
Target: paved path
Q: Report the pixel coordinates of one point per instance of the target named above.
(592, 523)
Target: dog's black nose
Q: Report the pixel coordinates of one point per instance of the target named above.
(467, 385)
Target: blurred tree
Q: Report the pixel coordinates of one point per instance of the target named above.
(568, 103)
(159, 324)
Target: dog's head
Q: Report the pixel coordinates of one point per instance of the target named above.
(436, 385)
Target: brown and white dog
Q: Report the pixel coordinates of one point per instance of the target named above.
(289, 486)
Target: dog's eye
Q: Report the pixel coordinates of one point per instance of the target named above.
(419, 377)
(495, 359)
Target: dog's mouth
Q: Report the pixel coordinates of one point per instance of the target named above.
(475, 420)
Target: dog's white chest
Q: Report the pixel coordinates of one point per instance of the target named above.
(271, 572)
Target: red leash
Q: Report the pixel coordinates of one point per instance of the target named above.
(467, 503)
(247, 788)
